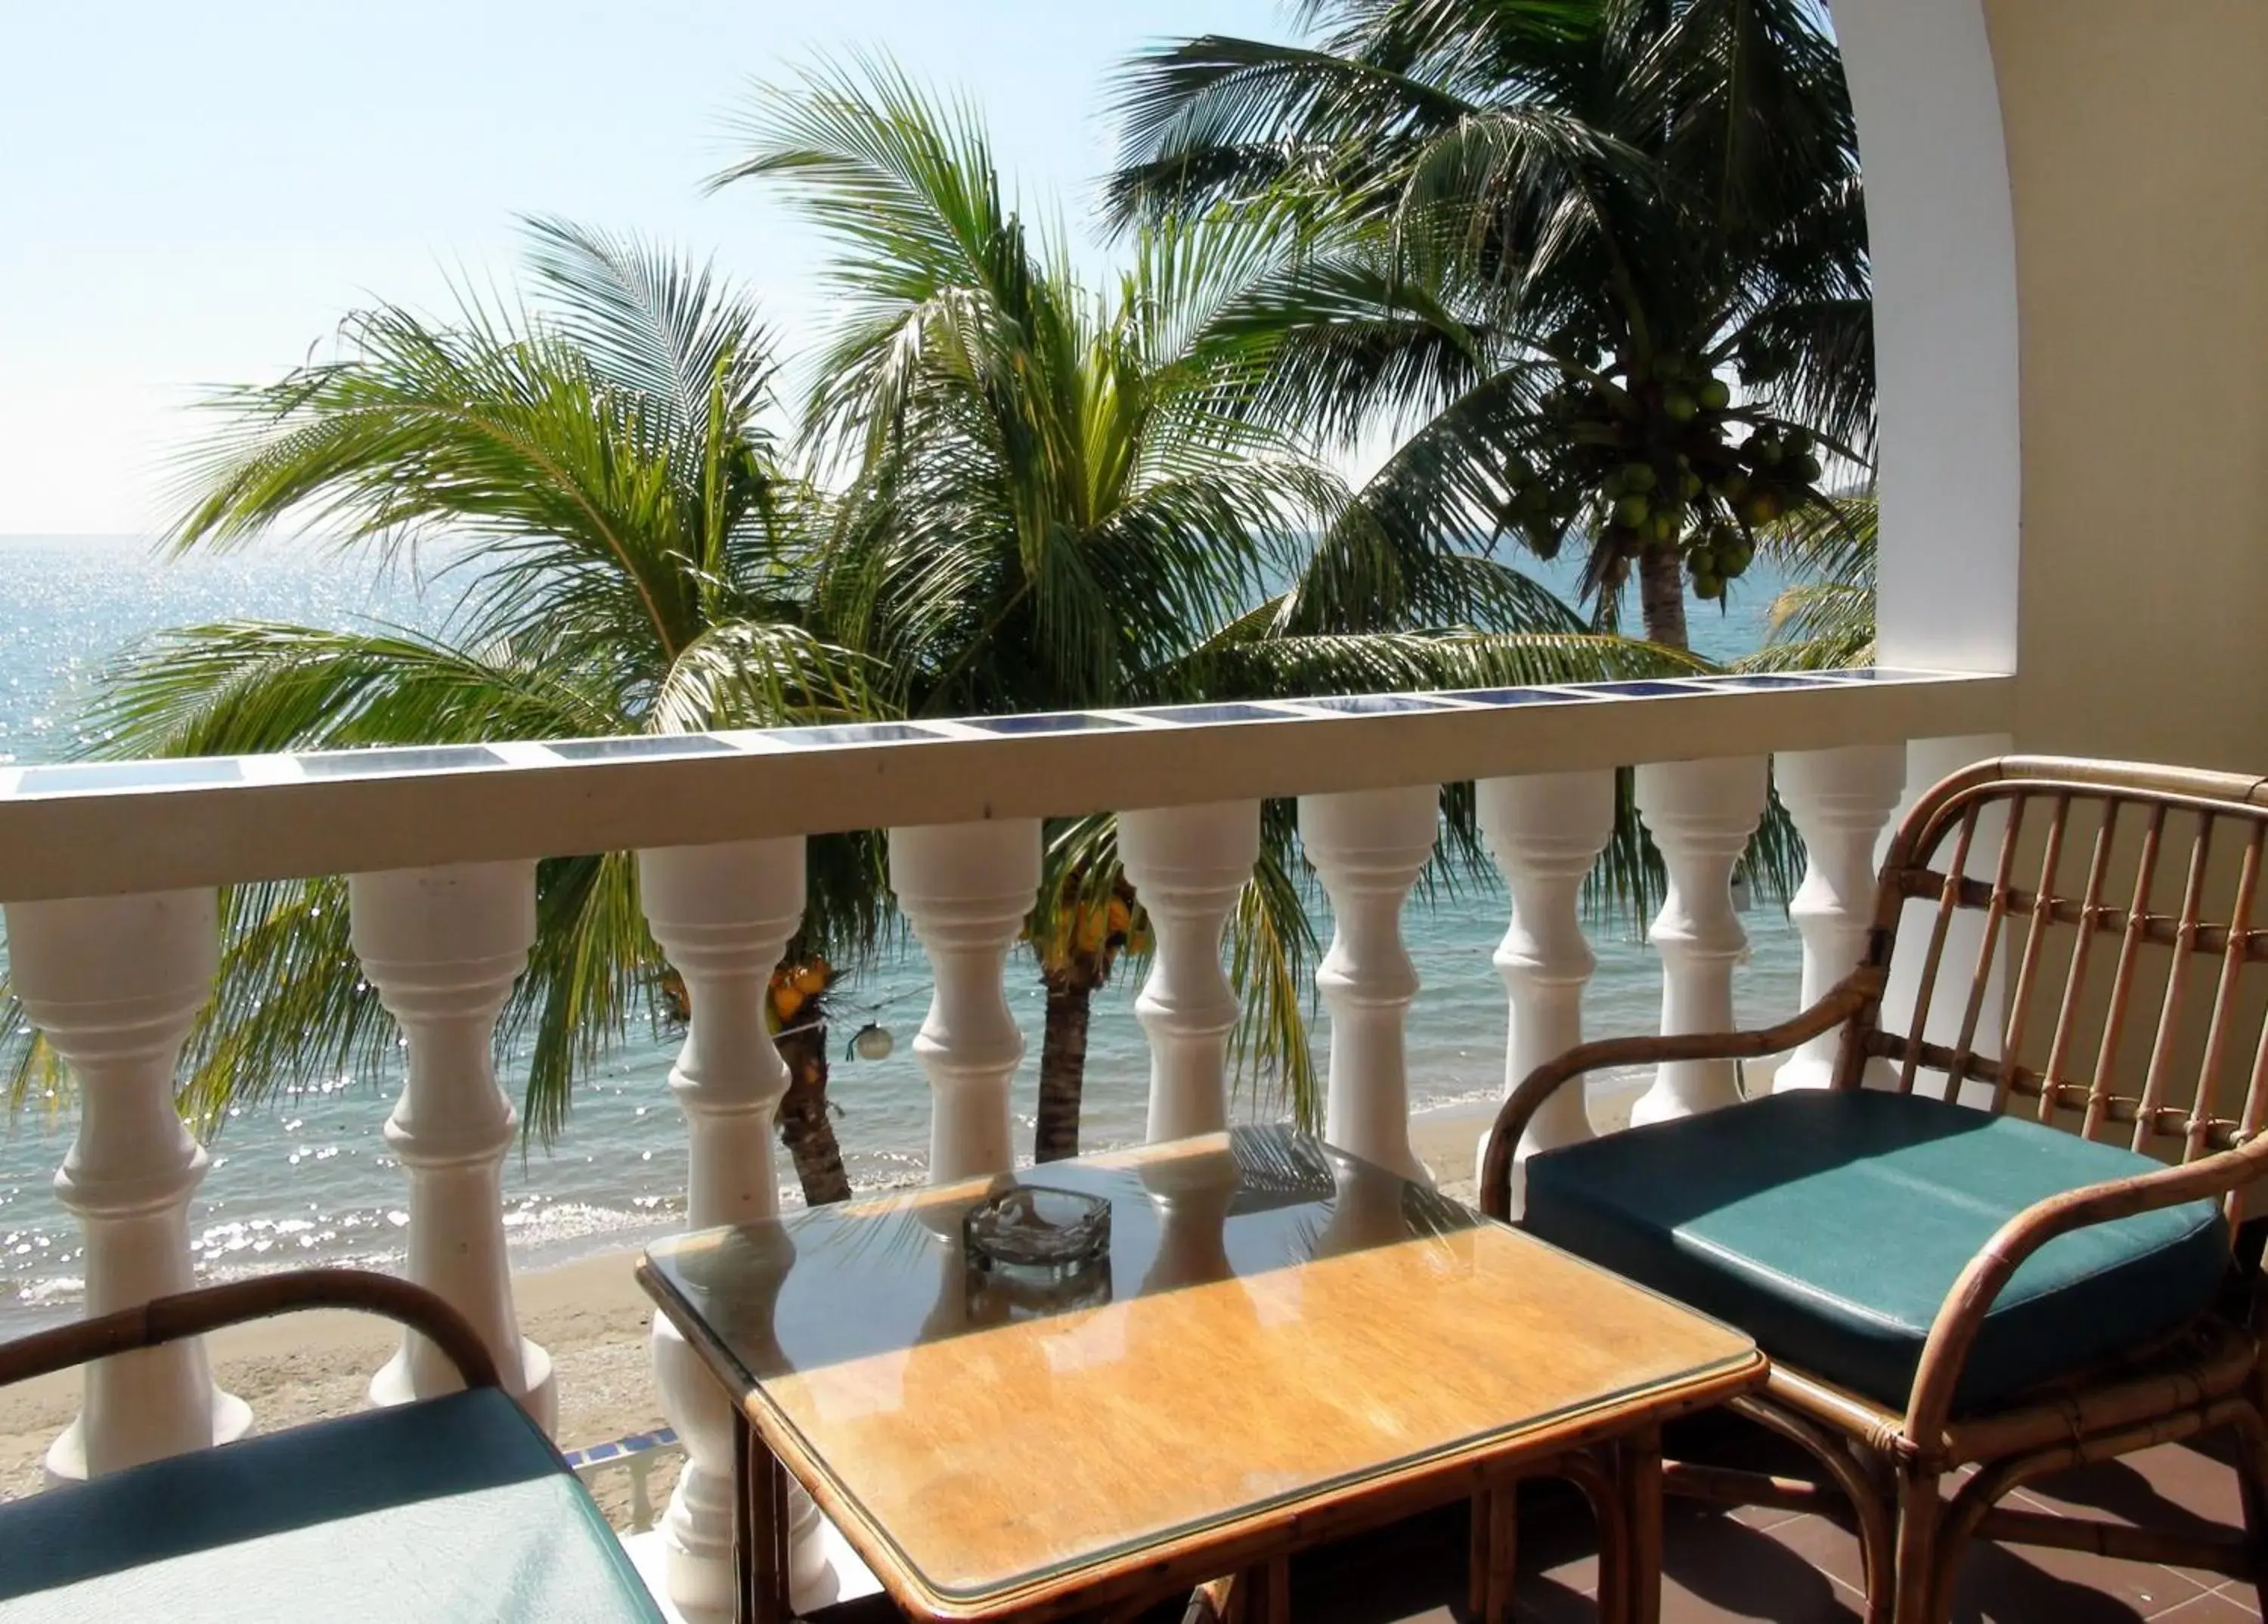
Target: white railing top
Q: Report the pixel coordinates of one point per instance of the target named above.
(105, 828)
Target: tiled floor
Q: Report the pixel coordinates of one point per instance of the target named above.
(1789, 1568)
(1800, 1569)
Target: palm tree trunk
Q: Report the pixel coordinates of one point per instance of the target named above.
(805, 1127)
(1662, 596)
(1062, 1064)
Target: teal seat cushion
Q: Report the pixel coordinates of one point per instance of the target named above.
(1830, 1227)
(456, 1509)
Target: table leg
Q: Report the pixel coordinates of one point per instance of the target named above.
(760, 1529)
(1496, 1550)
(1271, 1592)
(1640, 1474)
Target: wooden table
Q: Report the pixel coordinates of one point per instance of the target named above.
(1285, 1346)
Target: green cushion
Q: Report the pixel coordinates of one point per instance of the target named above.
(453, 1509)
(1830, 1226)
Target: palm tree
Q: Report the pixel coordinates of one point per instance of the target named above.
(1554, 235)
(1059, 499)
(594, 474)
(1823, 619)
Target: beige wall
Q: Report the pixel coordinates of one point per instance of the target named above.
(2138, 151)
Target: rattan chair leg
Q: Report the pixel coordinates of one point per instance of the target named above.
(2252, 1486)
(1873, 1518)
(1920, 1515)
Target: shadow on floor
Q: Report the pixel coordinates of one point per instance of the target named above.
(1758, 1565)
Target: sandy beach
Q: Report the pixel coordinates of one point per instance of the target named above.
(589, 1314)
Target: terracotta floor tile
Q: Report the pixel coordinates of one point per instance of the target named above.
(1715, 1568)
(2000, 1585)
(2173, 1485)
(2212, 1608)
(2242, 1592)
(2178, 1488)
(1828, 1546)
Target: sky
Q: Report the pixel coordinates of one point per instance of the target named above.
(193, 195)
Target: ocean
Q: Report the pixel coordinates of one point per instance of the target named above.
(308, 1178)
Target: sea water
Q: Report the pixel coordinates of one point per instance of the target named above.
(308, 1178)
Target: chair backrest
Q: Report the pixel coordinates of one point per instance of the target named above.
(2086, 948)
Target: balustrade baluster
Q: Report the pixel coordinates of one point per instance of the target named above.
(1702, 813)
(724, 915)
(967, 888)
(1186, 865)
(1545, 831)
(1841, 799)
(443, 946)
(114, 984)
(1369, 847)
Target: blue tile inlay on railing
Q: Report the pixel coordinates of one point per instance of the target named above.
(1518, 696)
(418, 758)
(1060, 721)
(854, 732)
(1644, 689)
(1767, 679)
(129, 774)
(1202, 715)
(646, 745)
(1373, 705)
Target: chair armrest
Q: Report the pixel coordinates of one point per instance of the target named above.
(1845, 999)
(193, 1313)
(1929, 1405)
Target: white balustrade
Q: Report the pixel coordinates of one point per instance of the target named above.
(1369, 847)
(724, 915)
(1545, 831)
(116, 983)
(1841, 799)
(967, 888)
(443, 946)
(1186, 865)
(1701, 814)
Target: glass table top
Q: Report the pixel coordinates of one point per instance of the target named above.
(1274, 1321)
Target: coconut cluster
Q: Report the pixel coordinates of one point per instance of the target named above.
(1653, 458)
(794, 985)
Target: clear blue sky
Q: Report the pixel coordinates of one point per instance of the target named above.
(193, 195)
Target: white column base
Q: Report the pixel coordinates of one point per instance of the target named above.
(540, 1398)
(847, 1579)
(65, 1461)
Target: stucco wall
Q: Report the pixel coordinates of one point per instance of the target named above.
(2137, 138)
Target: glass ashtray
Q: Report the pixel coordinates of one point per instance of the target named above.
(1036, 1231)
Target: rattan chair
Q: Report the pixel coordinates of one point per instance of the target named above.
(2056, 1269)
(455, 1507)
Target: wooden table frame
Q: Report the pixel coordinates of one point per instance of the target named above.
(1613, 1455)
(1343, 1350)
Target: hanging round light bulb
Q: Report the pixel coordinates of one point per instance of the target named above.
(873, 1042)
